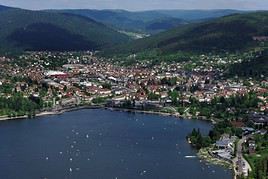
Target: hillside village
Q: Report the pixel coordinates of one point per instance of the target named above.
(191, 89)
(66, 79)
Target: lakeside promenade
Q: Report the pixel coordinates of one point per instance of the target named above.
(55, 111)
(60, 110)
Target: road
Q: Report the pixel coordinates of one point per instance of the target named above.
(241, 166)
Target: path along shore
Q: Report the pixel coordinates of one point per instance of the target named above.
(75, 108)
(51, 112)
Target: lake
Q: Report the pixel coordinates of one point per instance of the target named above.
(96, 143)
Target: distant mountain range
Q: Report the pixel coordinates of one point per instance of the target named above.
(199, 15)
(233, 32)
(143, 22)
(65, 30)
(35, 30)
(150, 22)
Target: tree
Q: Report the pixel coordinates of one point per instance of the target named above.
(153, 96)
(107, 86)
(174, 96)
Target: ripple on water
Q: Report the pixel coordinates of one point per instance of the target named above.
(101, 144)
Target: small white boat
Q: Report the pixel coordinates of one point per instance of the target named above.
(190, 156)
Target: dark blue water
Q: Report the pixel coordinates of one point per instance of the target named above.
(102, 144)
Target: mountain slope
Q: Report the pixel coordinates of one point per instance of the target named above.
(163, 24)
(35, 30)
(231, 33)
(129, 21)
(197, 15)
(150, 22)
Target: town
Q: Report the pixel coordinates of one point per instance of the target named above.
(50, 82)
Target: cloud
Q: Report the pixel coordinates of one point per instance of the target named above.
(138, 4)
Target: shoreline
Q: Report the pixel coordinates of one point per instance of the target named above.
(75, 108)
(176, 115)
(205, 155)
(50, 112)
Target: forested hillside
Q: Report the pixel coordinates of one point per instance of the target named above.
(35, 30)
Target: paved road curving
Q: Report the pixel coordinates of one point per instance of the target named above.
(240, 164)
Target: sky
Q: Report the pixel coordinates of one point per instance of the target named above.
(137, 5)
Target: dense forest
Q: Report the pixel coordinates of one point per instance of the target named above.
(36, 30)
(229, 33)
(149, 22)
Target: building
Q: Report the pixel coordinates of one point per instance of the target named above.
(225, 142)
(259, 120)
(56, 74)
(260, 38)
(251, 147)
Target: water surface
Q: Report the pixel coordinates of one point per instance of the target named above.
(102, 144)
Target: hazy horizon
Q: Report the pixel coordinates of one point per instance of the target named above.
(139, 5)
